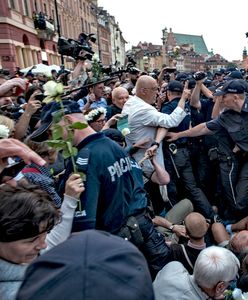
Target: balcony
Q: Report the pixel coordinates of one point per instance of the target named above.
(44, 26)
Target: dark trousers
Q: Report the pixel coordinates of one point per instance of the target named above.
(182, 175)
(206, 172)
(154, 248)
(234, 180)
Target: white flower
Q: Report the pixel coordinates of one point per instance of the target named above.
(237, 295)
(53, 88)
(4, 131)
(60, 88)
(97, 111)
(95, 57)
(125, 131)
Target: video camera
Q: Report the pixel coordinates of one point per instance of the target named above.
(131, 65)
(199, 75)
(4, 72)
(73, 48)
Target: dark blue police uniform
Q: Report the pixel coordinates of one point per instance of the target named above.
(114, 192)
(182, 171)
(205, 168)
(234, 167)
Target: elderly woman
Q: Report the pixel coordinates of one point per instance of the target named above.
(30, 223)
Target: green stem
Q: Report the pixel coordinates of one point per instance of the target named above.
(74, 166)
(75, 170)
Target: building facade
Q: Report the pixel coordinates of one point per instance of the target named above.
(29, 31)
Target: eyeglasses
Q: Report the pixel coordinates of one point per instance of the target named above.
(154, 89)
(100, 121)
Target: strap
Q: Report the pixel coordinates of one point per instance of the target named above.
(186, 256)
(30, 170)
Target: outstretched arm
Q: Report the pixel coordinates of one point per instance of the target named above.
(198, 130)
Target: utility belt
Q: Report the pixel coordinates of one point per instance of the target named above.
(172, 147)
(131, 230)
(215, 154)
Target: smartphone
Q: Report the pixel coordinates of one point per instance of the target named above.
(122, 123)
(12, 170)
(39, 97)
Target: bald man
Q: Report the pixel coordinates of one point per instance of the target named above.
(196, 228)
(120, 96)
(144, 119)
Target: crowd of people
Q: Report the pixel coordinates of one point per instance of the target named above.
(148, 201)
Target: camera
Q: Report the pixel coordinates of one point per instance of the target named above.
(199, 75)
(166, 77)
(73, 48)
(39, 97)
(12, 170)
(170, 70)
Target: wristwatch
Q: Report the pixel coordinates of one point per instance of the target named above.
(155, 143)
(171, 227)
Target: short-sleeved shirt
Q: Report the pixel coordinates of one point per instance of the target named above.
(201, 116)
(235, 123)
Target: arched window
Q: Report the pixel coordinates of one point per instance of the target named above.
(42, 44)
(25, 40)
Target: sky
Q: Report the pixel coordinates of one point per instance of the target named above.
(222, 23)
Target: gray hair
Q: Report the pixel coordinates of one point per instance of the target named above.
(215, 264)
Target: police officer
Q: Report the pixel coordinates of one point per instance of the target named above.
(233, 123)
(205, 168)
(177, 159)
(114, 201)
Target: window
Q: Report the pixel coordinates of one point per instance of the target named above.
(54, 18)
(105, 46)
(25, 7)
(12, 4)
(45, 8)
(82, 24)
(80, 4)
(35, 6)
(61, 25)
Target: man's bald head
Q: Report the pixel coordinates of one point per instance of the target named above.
(145, 81)
(196, 225)
(147, 88)
(120, 96)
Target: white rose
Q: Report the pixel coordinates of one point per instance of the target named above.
(50, 88)
(60, 88)
(125, 131)
(4, 131)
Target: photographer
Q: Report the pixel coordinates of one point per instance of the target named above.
(30, 108)
(166, 74)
